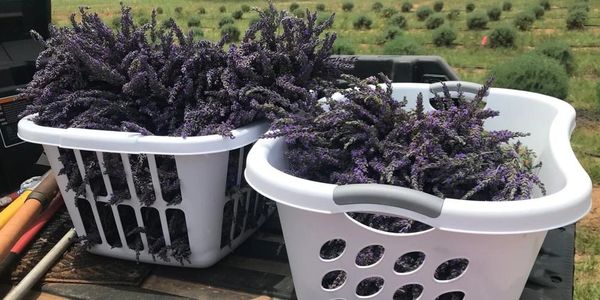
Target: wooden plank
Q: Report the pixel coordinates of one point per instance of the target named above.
(193, 290)
(222, 276)
(93, 291)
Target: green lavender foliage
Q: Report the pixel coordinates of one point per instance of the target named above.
(434, 21)
(560, 51)
(503, 36)
(535, 73)
(423, 12)
(444, 36)
(477, 21)
(402, 45)
(524, 20)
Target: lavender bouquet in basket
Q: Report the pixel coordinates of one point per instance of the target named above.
(369, 137)
(157, 80)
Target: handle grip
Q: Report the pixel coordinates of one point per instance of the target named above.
(455, 86)
(11, 232)
(45, 191)
(382, 194)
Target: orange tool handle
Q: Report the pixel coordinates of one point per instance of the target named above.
(35, 203)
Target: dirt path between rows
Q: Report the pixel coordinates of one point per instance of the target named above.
(592, 220)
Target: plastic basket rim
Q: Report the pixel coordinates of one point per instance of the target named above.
(135, 143)
(543, 213)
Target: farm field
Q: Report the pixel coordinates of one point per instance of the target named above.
(471, 61)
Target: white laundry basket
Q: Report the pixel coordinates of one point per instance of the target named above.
(499, 241)
(216, 222)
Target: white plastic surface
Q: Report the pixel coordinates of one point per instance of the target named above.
(202, 166)
(131, 142)
(500, 239)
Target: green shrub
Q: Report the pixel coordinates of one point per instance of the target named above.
(453, 14)
(435, 21)
(178, 10)
(503, 36)
(524, 20)
(300, 13)
(399, 21)
(362, 22)
(201, 10)
(255, 19)
(576, 19)
(494, 13)
(343, 47)
(238, 14)
(406, 6)
(545, 4)
(245, 8)
(320, 7)
(230, 33)
(347, 6)
(198, 33)
(294, 6)
(377, 7)
(159, 10)
(444, 36)
(560, 51)
(507, 6)
(477, 20)
(438, 5)
(470, 7)
(579, 6)
(389, 34)
(538, 11)
(226, 21)
(598, 93)
(143, 20)
(222, 9)
(424, 12)
(388, 12)
(402, 45)
(532, 72)
(165, 24)
(193, 22)
(116, 22)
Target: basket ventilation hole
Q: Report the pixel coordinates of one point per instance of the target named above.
(130, 227)
(369, 286)
(333, 280)
(109, 225)
(408, 292)
(451, 269)
(456, 295)
(369, 255)
(409, 262)
(154, 231)
(332, 249)
(116, 174)
(89, 223)
(227, 223)
(168, 178)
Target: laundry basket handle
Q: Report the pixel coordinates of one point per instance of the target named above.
(390, 195)
(454, 86)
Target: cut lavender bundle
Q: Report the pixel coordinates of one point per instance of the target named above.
(159, 81)
(370, 138)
